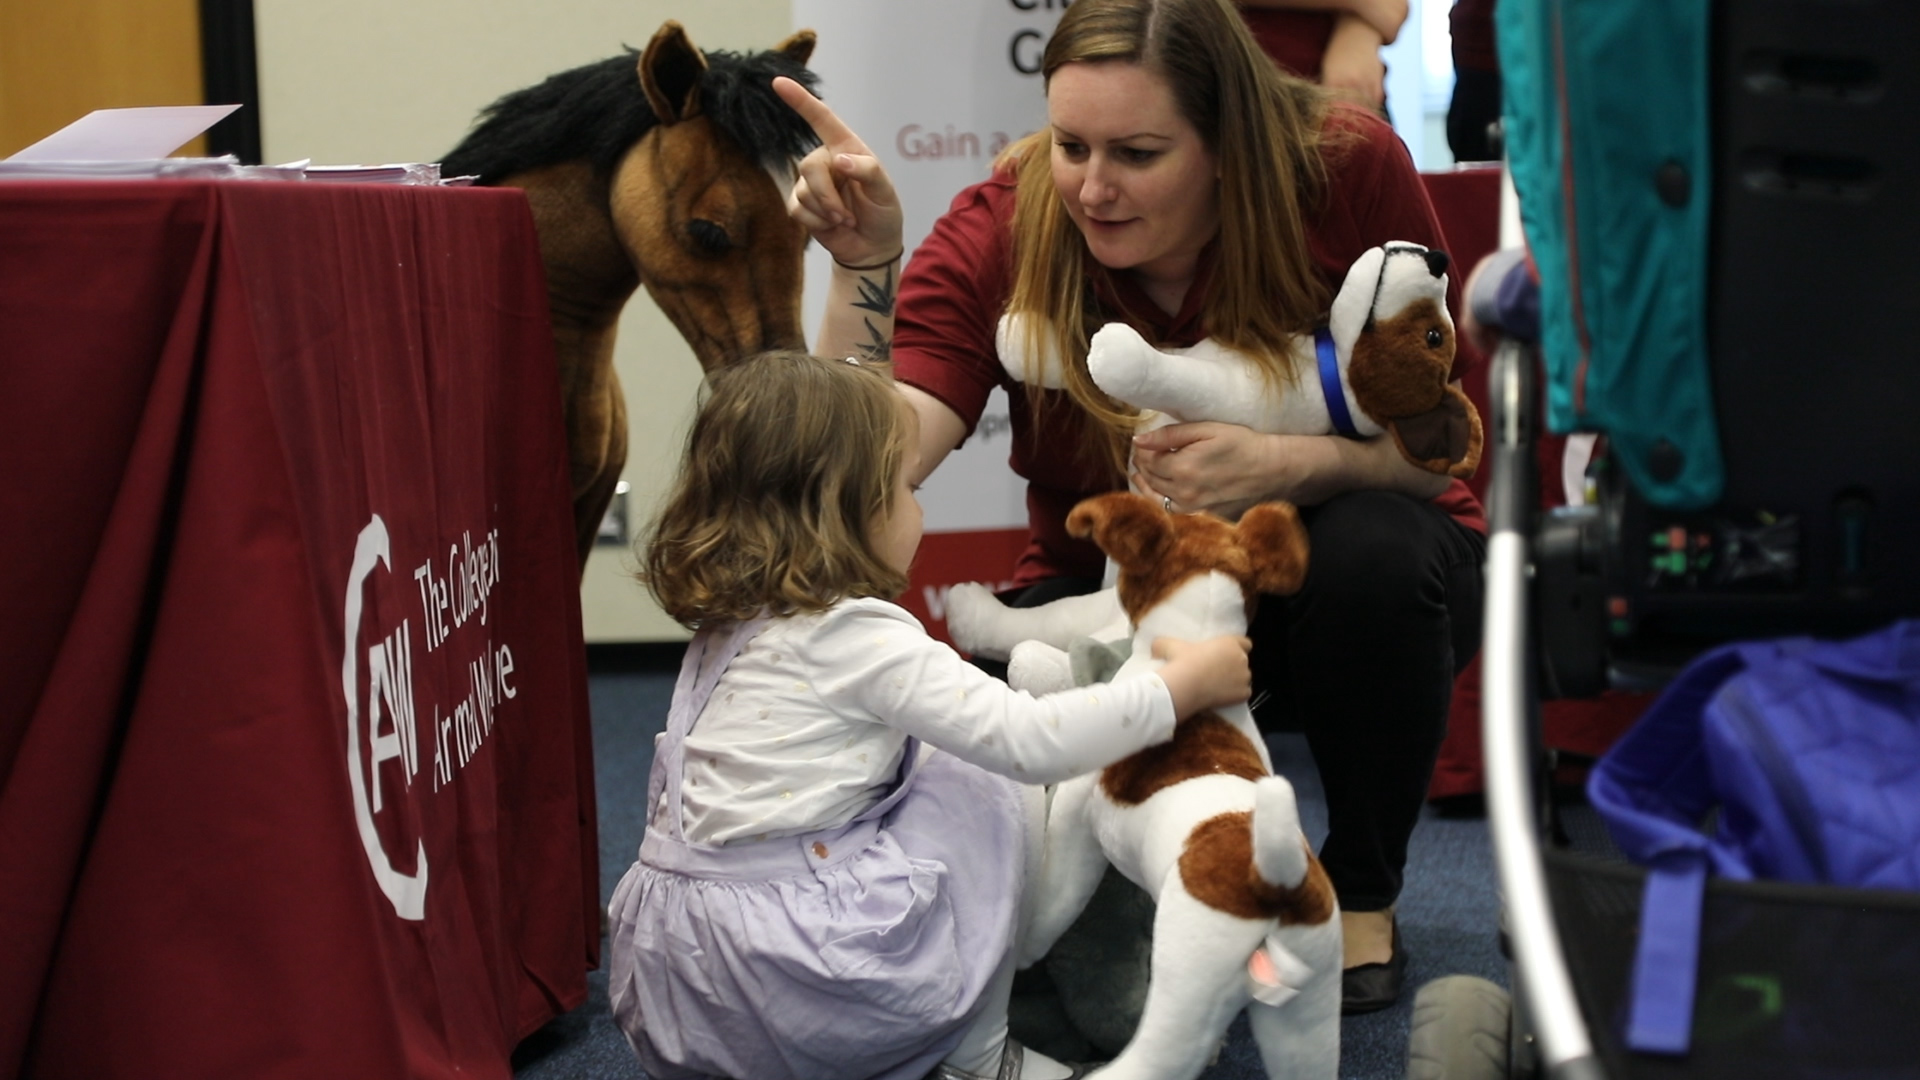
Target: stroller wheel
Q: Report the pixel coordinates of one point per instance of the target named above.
(1460, 1030)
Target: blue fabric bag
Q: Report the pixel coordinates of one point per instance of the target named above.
(1805, 757)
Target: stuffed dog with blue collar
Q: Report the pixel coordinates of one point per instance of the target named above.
(1381, 364)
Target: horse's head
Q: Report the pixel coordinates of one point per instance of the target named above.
(696, 203)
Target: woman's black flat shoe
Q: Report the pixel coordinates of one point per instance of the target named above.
(1366, 988)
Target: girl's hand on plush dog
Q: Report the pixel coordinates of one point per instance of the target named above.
(1202, 675)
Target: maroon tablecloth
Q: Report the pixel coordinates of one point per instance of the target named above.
(293, 724)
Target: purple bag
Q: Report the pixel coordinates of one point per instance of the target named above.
(1805, 758)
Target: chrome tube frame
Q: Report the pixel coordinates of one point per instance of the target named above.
(1507, 659)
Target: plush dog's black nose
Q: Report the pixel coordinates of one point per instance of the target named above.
(1437, 262)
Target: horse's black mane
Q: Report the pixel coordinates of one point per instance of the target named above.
(598, 110)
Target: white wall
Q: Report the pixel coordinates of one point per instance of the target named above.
(357, 81)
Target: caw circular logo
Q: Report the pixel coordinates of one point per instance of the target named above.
(389, 681)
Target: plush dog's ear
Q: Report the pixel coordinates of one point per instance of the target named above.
(1444, 439)
(1132, 530)
(1276, 546)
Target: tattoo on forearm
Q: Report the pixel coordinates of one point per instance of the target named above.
(876, 295)
(878, 346)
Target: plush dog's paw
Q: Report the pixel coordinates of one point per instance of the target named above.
(973, 613)
(1203, 381)
(1039, 668)
(1015, 345)
(1120, 361)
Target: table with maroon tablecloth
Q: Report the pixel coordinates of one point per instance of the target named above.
(294, 738)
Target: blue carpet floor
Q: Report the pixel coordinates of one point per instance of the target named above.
(1448, 912)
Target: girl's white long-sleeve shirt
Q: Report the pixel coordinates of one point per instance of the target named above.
(807, 727)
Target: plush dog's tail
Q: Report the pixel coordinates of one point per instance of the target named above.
(1280, 855)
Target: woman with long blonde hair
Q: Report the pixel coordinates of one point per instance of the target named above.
(1185, 186)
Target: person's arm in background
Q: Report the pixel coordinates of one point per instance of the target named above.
(1384, 16)
(1351, 66)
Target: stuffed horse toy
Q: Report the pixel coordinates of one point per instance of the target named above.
(669, 169)
(1380, 365)
(1244, 915)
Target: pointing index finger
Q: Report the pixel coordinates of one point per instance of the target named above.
(833, 132)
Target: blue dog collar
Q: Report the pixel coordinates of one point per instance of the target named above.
(1330, 384)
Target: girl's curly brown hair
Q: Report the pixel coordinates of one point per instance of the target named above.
(790, 460)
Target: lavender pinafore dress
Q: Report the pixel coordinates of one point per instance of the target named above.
(854, 952)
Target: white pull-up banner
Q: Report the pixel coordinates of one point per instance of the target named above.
(937, 88)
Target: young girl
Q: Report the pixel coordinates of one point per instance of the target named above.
(843, 811)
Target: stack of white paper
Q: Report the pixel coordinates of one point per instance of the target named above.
(123, 143)
(128, 143)
(406, 173)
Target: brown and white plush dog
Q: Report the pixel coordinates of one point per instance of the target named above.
(1381, 365)
(1245, 916)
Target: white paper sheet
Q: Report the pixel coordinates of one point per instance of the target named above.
(126, 134)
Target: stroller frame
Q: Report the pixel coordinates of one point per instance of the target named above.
(1545, 986)
(1811, 193)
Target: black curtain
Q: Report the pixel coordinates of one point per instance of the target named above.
(228, 75)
